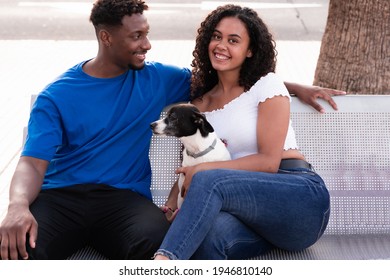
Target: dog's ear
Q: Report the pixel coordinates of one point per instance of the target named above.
(201, 122)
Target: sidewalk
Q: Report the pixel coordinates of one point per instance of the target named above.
(27, 66)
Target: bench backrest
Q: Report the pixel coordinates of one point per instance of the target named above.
(349, 148)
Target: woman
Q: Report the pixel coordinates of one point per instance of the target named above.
(267, 195)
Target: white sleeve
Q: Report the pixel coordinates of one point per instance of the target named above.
(269, 86)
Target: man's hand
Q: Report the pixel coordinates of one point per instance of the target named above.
(309, 94)
(18, 223)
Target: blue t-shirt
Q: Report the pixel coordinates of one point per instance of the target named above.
(94, 130)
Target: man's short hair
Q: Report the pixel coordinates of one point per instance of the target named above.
(111, 12)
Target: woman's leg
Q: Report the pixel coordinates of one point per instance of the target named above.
(288, 210)
(229, 238)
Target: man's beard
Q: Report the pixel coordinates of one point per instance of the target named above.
(135, 68)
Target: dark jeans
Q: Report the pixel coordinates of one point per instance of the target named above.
(118, 223)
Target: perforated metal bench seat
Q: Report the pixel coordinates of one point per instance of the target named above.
(350, 149)
(339, 247)
(329, 247)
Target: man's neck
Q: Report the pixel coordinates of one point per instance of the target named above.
(99, 68)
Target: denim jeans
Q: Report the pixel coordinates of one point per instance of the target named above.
(234, 214)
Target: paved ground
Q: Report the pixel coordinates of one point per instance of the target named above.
(169, 19)
(28, 65)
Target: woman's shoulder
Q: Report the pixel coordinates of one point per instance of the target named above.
(270, 79)
(269, 86)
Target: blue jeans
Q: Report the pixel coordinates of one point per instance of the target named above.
(234, 214)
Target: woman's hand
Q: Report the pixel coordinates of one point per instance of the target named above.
(170, 213)
(170, 208)
(188, 172)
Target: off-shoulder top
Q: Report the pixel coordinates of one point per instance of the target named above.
(236, 122)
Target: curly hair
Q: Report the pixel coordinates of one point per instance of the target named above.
(111, 12)
(262, 46)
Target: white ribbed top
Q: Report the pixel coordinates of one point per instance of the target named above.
(236, 122)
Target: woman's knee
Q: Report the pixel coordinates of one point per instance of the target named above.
(229, 238)
(208, 178)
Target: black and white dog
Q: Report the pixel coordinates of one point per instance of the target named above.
(200, 142)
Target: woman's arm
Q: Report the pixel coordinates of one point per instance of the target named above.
(272, 126)
(170, 208)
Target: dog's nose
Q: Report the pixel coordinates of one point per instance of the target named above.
(153, 125)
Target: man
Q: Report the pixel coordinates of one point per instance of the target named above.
(84, 174)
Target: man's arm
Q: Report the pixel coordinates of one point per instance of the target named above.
(25, 186)
(309, 94)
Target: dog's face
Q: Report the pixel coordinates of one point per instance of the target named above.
(182, 120)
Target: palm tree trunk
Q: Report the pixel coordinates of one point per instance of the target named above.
(355, 48)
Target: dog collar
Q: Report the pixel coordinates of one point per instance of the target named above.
(211, 147)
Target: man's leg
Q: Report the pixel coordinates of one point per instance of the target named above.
(61, 223)
(126, 225)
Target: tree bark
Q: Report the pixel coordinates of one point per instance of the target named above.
(355, 48)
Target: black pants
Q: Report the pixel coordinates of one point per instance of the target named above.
(120, 224)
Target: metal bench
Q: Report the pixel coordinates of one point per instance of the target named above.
(350, 149)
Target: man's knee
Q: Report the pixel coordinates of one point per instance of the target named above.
(147, 238)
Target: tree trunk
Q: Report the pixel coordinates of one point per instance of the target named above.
(355, 48)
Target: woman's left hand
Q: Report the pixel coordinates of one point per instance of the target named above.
(188, 172)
